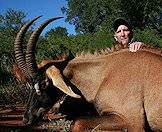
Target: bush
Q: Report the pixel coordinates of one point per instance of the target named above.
(90, 42)
(149, 36)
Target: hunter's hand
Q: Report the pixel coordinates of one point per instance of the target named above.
(133, 47)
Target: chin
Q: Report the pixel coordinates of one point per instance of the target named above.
(124, 42)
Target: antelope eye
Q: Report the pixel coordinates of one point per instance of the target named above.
(43, 84)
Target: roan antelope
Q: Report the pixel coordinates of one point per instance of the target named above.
(124, 87)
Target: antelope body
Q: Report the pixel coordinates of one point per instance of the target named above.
(125, 87)
(122, 82)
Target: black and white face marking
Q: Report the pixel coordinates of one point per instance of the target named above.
(37, 88)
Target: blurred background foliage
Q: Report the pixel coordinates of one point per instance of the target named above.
(93, 24)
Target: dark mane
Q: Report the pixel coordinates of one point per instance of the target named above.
(116, 49)
(151, 49)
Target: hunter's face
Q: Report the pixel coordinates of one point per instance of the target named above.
(122, 34)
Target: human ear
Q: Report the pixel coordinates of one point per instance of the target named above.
(115, 38)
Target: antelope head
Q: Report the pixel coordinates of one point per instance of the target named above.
(46, 86)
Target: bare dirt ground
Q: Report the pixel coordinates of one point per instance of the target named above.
(11, 121)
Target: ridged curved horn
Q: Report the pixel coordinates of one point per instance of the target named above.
(30, 53)
(18, 47)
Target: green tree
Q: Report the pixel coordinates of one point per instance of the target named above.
(10, 23)
(89, 16)
(57, 32)
(142, 13)
(12, 19)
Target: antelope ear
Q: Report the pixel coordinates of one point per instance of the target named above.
(54, 74)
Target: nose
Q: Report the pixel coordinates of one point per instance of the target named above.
(122, 33)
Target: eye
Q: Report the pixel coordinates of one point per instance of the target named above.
(42, 83)
(118, 31)
(125, 29)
